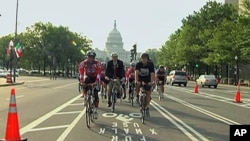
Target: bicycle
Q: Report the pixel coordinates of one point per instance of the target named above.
(131, 93)
(159, 90)
(143, 101)
(103, 92)
(89, 104)
(114, 93)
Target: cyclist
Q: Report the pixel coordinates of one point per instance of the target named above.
(124, 84)
(144, 72)
(130, 76)
(104, 82)
(114, 70)
(89, 70)
(160, 75)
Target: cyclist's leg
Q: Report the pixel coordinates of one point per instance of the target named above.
(109, 87)
(137, 87)
(118, 84)
(129, 90)
(84, 90)
(105, 88)
(162, 85)
(148, 99)
(124, 90)
(96, 98)
(96, 103)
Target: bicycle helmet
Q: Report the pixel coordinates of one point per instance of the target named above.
(103, 64)
(161, 66)
(145, 55)
(91, 53)
(114, 54)
(132, 64)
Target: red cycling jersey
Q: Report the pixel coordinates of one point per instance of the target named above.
(130, 74)
(91, 69)
(103, 72)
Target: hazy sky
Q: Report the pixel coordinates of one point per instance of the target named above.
(149, 23)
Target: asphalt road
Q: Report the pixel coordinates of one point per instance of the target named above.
(52, 110)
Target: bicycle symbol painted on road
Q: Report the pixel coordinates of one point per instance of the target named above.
(122, 117)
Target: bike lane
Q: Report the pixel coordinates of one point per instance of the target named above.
(125, 125)
(67, 123)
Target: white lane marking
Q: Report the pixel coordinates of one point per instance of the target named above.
(33, 124)
(173, 119)
(206, 112)
(76, 104)
(62, 86)
(71, 126)
(211, 96)
(49, 128)
(72, 112)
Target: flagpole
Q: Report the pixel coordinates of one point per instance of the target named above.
(15, 58)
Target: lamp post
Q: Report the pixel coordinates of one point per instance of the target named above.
(15, 40)
(237, 69)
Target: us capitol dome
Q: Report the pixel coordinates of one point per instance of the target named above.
(114, 43)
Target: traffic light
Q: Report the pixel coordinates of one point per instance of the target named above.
(197, 65)
(134, 47)
(132, 53)
(135, 50)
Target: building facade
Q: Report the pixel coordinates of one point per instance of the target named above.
(238, 3)
(114, 43)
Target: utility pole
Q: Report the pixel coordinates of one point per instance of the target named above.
(15, 40)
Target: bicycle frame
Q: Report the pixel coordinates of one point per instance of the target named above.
(114, 93)
(159, 89)
(143, 103)
(89, 105)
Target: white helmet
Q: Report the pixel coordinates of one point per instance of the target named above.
(114, 54)
(91, 53)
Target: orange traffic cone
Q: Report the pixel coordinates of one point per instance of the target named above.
(196, 88)
(238, 94)
(12, 128)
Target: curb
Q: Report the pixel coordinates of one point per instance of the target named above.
(11, 84)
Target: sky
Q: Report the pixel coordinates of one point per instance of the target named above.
(148, 23)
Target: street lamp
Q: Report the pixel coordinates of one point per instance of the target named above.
(237, 69)
(15, 40)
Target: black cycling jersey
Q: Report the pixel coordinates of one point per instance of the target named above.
(161, 74)
(145, 71)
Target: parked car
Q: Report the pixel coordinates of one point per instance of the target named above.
(207, 80)
(16, 73)
(3, 73)
(177, 77)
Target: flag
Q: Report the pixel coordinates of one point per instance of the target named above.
(19, 50)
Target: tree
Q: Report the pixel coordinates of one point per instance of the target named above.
(44, 42)
(153, 55)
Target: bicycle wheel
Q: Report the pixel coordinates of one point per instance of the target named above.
(143, 108)
(88, 112)
(132, 97)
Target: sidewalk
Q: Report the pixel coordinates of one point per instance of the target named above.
(3, 83)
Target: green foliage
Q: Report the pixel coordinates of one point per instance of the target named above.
(211, 36)
(44, 42)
